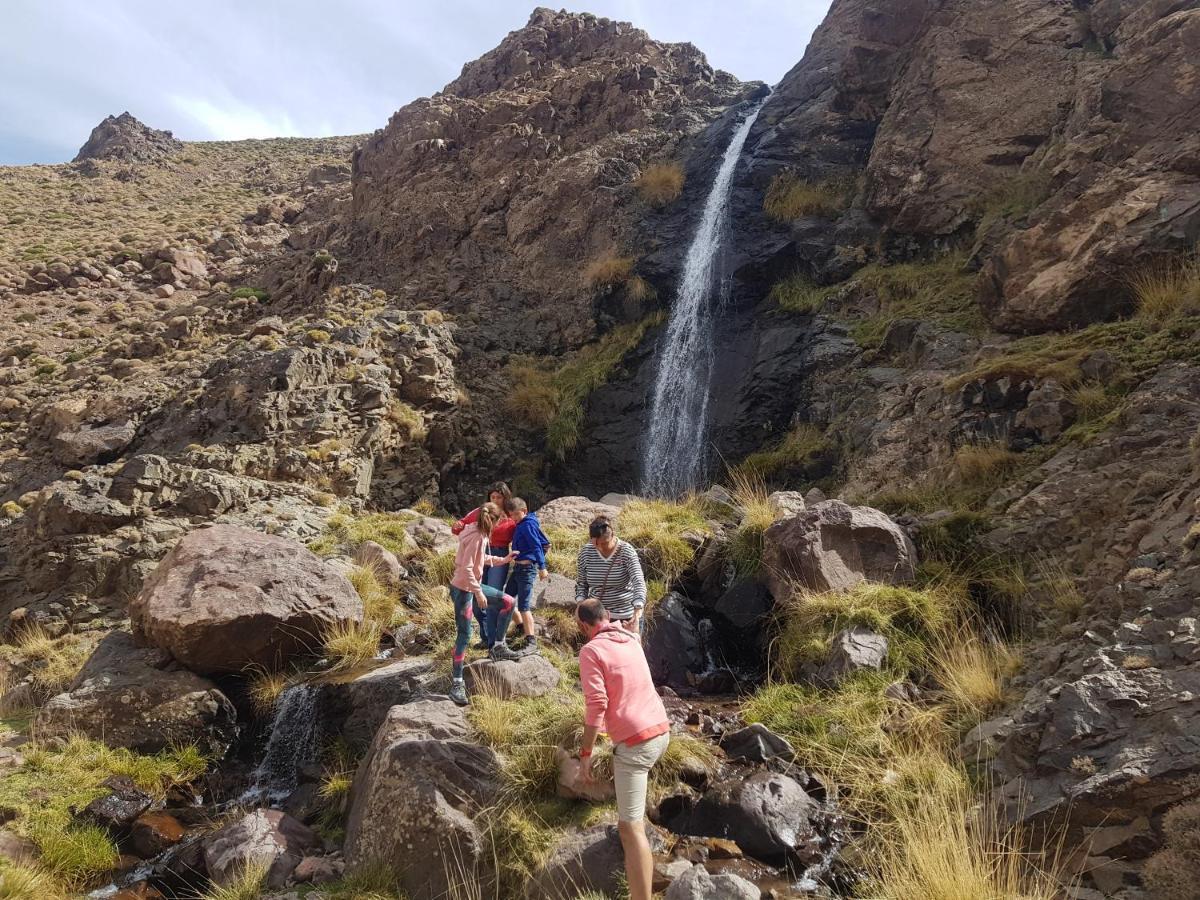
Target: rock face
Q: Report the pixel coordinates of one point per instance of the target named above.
(126, 139)
(833, 546)
(530, 676)
(265, 836)
(414, 799)
(226, 598)
(135, 697)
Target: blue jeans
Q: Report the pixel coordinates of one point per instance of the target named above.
(493, 576)
(520, 585)
(464, 602)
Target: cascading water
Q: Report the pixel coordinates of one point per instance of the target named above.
(676, 449)
(291, 745)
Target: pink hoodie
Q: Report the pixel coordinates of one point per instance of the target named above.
(470, 559)
(617, 687)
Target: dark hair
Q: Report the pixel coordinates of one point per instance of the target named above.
(591, 611)
(601, 525)
(489, 515)
(500, 488)
(515, 504)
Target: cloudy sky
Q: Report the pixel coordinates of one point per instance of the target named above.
(224, 69)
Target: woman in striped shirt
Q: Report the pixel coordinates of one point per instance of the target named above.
(609, 570)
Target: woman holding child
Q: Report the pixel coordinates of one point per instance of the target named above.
(501, 536)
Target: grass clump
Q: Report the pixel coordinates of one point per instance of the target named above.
(408, 419)
(661, 183)
(22, 882)
(552, 398)
(940, 291)
(52, 661)
(1013, 199)
(264, 688)
(608, 270)
(1170, 873)
(799, 294)
(379, 601)
(251, 293)
(345, 533)
(1167, 290)
(746, 542)
(798, 447)
(657, 527)
(350, 644)
(790, 197)
(248, 883)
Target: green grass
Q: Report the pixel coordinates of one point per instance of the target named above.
(790, 197)
(258, 294)
(797, 448)
(52, 782)
(1013, 199)
(656, 527)
(757, 515)
(799, 294)
(345, 533)
(941, 291)
(552, 397)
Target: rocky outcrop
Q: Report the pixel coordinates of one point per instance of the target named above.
(228, 598)
(833, 546)
(530, 676)
(415, 798)
(588, 860)
(135, 697)
(126, 139)
(697, 884)
(265, 837)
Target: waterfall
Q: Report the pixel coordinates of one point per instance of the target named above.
(676, 448)
(291, 745)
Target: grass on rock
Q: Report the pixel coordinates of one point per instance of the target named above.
(797, 448)
(661, 183)
(1167, 290)
(790, 197)
(248, 883)
(941, 290)
(799, 294)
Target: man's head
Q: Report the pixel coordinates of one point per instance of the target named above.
(591, 616)
(516, 508)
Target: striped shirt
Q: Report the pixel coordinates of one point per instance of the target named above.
(617, 580)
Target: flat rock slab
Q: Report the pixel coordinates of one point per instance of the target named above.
(529, 676)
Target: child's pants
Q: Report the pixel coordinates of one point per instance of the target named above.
(464, 601)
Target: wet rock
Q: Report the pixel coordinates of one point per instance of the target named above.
(530, 676)
(136, 697)
(673, 645)
(834, 546)
(226, 598)
(267, 837)
(852, 650)
(575, 513)
(583, 861)
(366, 699)
(152, 833)
(756, 743)
(697, 884)
(414, 803)
(123, 803)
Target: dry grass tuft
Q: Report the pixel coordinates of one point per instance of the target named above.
(661, 183)
(608, 270)
(791, 197)
(248, 884)
(264, 689)
(1167, 289)
(973, 673)
(351, 644)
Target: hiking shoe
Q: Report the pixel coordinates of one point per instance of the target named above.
(458, 693)
(530, 646)
(502, 651)
(482, 645)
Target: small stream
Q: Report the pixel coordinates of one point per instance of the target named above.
(293, 743)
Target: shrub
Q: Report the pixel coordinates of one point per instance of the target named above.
(661, 183)
(251, 293)
(799, 294)
(798, 447)
(1166, 290)
(1170, 873)
(408, 419)
(790, 197)
(984, 466)
(608, 270)
(318, 336)
(351, 644)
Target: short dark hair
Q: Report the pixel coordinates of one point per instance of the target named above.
(601, 525)
(500, 488)
(591, 611)
(515, 504)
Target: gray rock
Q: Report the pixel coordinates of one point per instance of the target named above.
(574, 513)
(786, 503)
(697, 884)
(617, 500)
(529, 676)
(430, 533)
(91, 444)
(583, 861)
(369, 697)
(833, 546)
(265, 836)
(116, 809)
(673, 644)
(384, 562)
(414, 805)
(756, 743)
(854, 649)
(556, 591)
(226, 598)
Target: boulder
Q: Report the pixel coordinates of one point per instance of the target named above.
(697, 884)
(757, 743)
(557, 591)
(16, 849)
(366, 699)
(529, 676)
(586, 861)
(1048, 412)
(673, 644)
(91, 444)
(854, 649)
(265, 836)
(574, 513)
(152, 833)
(415, 800)
(123, 802)
(136, 697)
(768, 815)
(570, 787)
(382, 561)
(833, 546)
(617, 500)
(227, 598)
(786, 503)
(430, 533)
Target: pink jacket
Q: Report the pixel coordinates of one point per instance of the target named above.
(470, 559)
(617, 687)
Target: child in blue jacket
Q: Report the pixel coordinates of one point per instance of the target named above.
(530, 544)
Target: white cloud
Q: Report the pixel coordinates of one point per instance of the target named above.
(232, 120)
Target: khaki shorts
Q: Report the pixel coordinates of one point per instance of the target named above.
(631, 770)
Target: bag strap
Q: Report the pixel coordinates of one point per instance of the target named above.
(607, 572)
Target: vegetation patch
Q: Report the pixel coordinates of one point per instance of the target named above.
(661, 183)
(790, 197)
(1013, 199)
(608, 270)
(657, 528)
(1167, 290)
(800, 294)
(941, 291)
(798, 448)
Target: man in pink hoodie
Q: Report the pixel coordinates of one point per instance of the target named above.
(621, 700)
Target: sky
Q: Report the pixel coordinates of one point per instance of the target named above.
(228, 69)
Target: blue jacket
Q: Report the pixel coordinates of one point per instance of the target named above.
(530, 542)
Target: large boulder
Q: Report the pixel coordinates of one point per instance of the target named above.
(574, 513)
(586, 861)
(768, 815)
(227, 598)
(529, 676)
(364, 700)
(673, 643)
(833, 546)
(126, 139)
(697, 884)
(136, 697)
(90, 444)
(555, 591)
(267, 837)
(415, 800)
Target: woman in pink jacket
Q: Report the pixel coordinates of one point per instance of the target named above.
(621, 699)
(466, 589)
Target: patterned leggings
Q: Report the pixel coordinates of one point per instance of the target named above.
(463, 603)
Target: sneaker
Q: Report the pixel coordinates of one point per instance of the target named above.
(530, 646)
(501, 651)
(458, 693)
(481, 645)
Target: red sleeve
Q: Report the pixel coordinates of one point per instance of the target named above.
(466, 520)
(595, 694)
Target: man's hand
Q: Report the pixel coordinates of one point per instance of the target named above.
(543, 574)
(585, 770)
